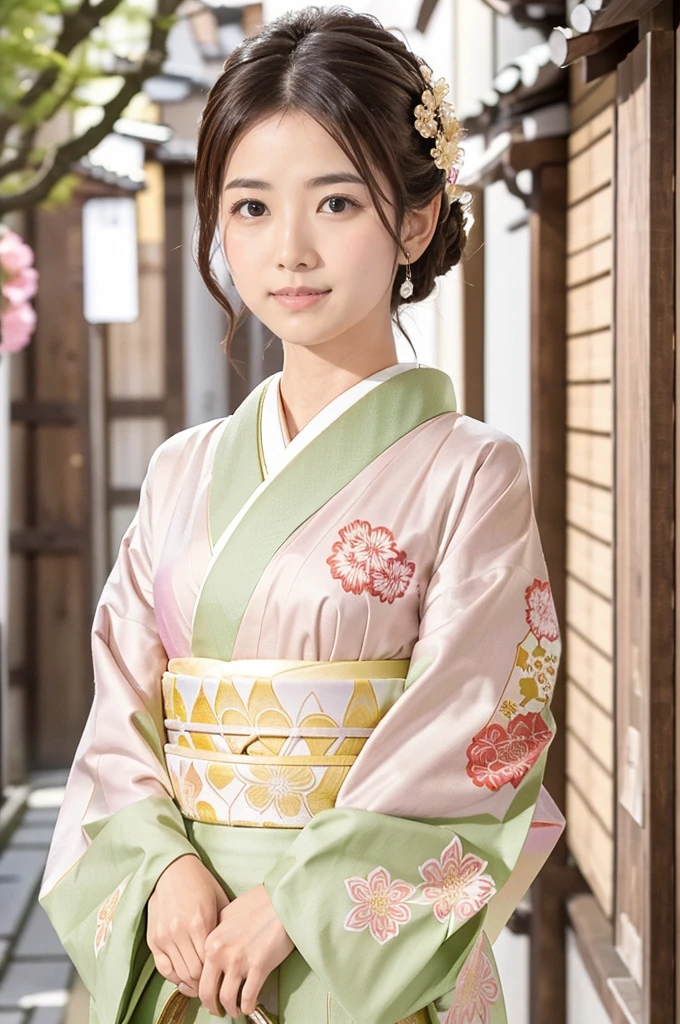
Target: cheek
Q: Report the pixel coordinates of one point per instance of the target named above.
(367, 255)
(241, 247)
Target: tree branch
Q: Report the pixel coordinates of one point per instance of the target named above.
(61, 159)
(76, 27)
(18, 161)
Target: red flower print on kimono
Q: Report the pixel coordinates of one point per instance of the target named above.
(541, 614)
(392, 580)
(456, 883)
(476, 990)
(381, 904)
(498, 755)
(367, 558)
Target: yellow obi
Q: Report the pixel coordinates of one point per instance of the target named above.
(269, 743)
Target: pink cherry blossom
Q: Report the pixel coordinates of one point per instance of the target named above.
(16, 327)
(15, 255)
(391, 580)
(541, 614)
(22, 286)
(476, 990)
(456, 883)
(381, 904)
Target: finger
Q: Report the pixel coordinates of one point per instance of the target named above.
(250, 994)
(230, 988)
(165, 967)
(190, 953)
(187, 990)
(176, 955)
(208, 986)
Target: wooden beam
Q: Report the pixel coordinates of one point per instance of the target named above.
(65, 413)
(618, 12)
(117, 496)
(174, 302)
(50, 540)
(531, 154)
(136, 407)
(548, 228)
(427, 8)
(566, 49)
(644, 496)
(605, 61)
(473, 312)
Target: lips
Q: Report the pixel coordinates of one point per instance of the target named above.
(301, 291)
(298, 299)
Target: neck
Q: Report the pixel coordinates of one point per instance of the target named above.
(312, 377)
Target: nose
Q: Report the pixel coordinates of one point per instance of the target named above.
(295, 247)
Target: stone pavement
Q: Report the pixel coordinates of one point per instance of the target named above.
(38, 984)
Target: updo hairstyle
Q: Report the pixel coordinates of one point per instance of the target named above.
(361, 84)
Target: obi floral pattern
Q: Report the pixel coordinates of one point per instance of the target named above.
(266, 752)
(105, 914)
(454, 886)
(477, 989)
(367, 559)
(516, 735)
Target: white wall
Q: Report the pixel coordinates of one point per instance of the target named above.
(584, 1005)
(507, 391)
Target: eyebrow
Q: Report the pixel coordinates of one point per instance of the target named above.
(324, 179)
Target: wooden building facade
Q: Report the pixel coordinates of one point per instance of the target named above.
(602, 289)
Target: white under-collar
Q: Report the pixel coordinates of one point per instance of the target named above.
(277, 446)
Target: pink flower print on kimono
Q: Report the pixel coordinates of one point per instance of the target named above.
(513, 739)
(476, 989)
(381, 904)
(367, 558)
(456, 885)
(105, 917)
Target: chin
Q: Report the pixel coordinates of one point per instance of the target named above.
(306, 341)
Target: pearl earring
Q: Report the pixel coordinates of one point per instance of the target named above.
(406, 289)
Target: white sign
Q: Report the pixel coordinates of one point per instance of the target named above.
(110, 277)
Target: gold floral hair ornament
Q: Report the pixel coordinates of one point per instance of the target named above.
(435, 118)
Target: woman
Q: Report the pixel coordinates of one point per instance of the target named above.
(325, 655)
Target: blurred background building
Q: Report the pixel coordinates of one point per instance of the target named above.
(558, 328)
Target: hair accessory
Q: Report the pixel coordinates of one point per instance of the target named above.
(406, 289)
(435, 118)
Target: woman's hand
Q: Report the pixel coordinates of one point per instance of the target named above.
(183, 910)
(248, 943)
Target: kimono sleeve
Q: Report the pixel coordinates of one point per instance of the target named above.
(118, 827)
(386, 894)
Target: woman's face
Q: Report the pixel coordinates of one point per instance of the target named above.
(287, 220)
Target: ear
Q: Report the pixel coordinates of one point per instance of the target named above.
(418, 229)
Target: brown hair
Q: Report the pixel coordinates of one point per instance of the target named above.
(360, 83)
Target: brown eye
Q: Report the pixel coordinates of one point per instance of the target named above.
(253, 206)
(344, 203)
